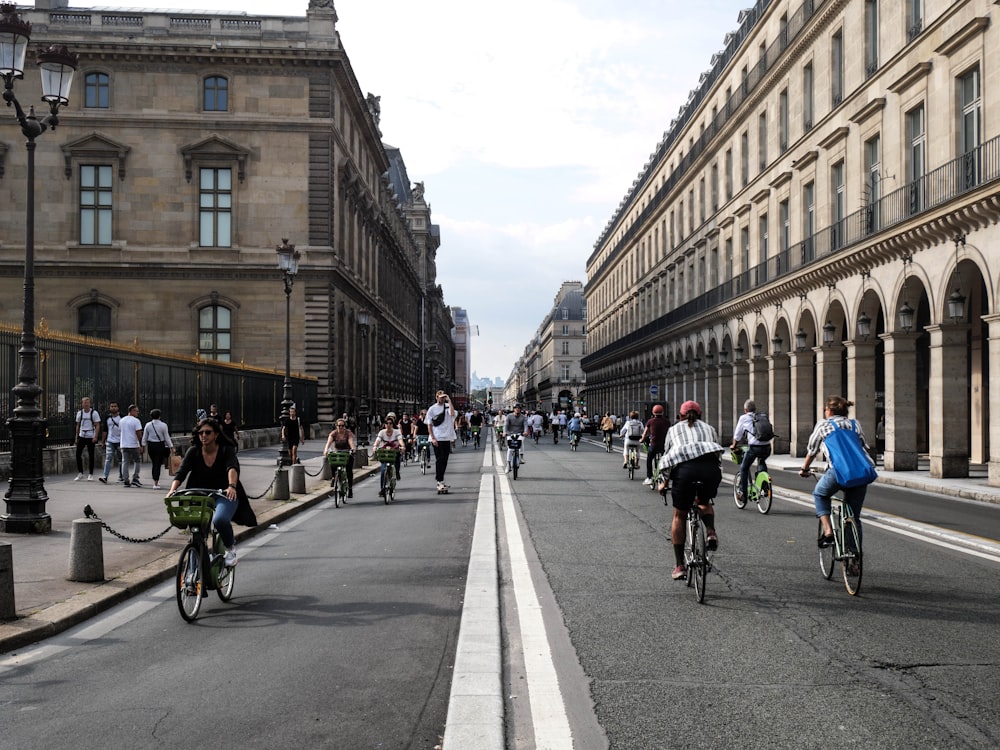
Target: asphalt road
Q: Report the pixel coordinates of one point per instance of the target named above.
(777, 657)
(341, 634)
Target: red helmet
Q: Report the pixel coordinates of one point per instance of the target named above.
(690, 406)
(658, 409)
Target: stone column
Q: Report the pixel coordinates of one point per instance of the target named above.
(712, 405)
(778, 398)
(900, 401)
(759, 384)
(993, 321)
(948, 400)
(861, 384)
(804, 414)
(726, 406)
(828, 378)
(741, 386)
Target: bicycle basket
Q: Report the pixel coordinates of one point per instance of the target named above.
(190, 510)
(514, 441)
(338, 458)
(387, 455)
(423, 440)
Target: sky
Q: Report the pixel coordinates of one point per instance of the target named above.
(527, 121)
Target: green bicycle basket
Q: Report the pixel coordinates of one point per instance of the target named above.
(190, 510)
(338, 458)
(387, 455)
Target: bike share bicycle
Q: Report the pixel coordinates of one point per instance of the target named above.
(424, 451)
(697, 562)
(201, 567)
(513, 454)
(338, 463)
(388, 456)
(758, 486)
(632, 461)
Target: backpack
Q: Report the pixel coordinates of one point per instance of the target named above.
(635, 430)
(848, 457)
(762, 427)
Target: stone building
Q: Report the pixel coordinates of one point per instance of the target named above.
(820, 218)
(194, 143)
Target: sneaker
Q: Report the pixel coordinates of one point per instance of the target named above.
(102, 480)
(826, 540)
(739, 496)
(648, 481)
(230, 558)
(128, 484)
(625, 465)
(157, 487)
(136, 483)
(78, 477)
(508, 468)
(90, 477)
(381, 492)
(680, 572)
(713, 540)
(350, 493)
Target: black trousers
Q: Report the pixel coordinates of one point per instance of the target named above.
(441, 452)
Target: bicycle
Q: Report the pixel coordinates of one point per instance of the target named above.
(758, 486)
(656, 470)
(514, 453)
(696, 558)
(201, 567)
(475, 438)
(338, 463)
(846, 548)
(632, 461)
(388, 457)
(424, 450)
(608, 440)
(574, 440)
(465, 437)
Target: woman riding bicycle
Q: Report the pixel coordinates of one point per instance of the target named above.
(211, 463)
(608, 426)
(342, 439)
(390, 437)
(575, 426)
(692, 460)
(835, 412)
(632, 434)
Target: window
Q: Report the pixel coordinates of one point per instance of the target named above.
(839, 203)
(807, 97)
(729, 255)
(565, 373)
(837, 68)
(565, 347)
(762, 140)
(729, 174)
(215, 332)
(873, 166)
(216, 97)
(715, 187)
(914, 19)
(744, 158)
(565, 313)
(871, 37)
(916, 157)
(745, 249)
(216, 205)
(783, 121)
(786, 232)
(96, 91)
(95, 204)
(94, 319)
(762, 239)
(970, 127)
(808, 220)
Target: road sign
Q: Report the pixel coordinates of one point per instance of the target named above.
(654, 390)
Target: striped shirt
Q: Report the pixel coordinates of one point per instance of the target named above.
(825, 426)
(686, 442)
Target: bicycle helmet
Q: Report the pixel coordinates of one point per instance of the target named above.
(658, 409)
(690, 406)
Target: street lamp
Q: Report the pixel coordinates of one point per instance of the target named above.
(26, 496)
(288, 262)
(364, 320)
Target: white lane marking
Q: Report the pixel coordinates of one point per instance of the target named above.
(548, 707)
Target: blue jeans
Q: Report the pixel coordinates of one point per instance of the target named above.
(225, 509)
(825, 489)
(110, 451)
(753, 453)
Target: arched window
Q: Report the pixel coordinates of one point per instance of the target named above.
(94, 319)
(216, 98)
(215, 338)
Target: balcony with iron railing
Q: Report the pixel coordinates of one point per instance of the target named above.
(968, 172)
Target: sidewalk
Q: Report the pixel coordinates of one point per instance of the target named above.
(46, 603)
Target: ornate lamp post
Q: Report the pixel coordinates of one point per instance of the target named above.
(288, 262)
(26, 497)
(364, 321)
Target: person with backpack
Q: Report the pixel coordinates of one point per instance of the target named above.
(850, 468)
(87, 433)
(631, 433)
(756, 428)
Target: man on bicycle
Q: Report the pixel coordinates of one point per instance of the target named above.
(757, 449)
(653, 436)
(631, 432)
(692, 461)
(515, 423)
(476, 423)
(575, 427)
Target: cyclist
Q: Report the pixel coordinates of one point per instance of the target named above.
(575, 427)
(515, 423)
(211, 463)
(342, 439)
(757, 449)
(835, 413)
(405, 426)
(421, 432)
(691, 453)
(389, 437)
(631, 432)
(476, 422)
(536, 424)
(653, 435)
(608, 426)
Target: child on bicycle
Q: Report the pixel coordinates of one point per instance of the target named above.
(631, 433)
(692, 460)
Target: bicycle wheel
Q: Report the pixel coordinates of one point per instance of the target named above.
(225, 578)
(424, 460)
(764, 495)
(826, 556)
(741, 501)
(390, 483)
(632, 462)
(514, 464)
(698, 569)
(190, 582)
(336, 490)
(853, 558)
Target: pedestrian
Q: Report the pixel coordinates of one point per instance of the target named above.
(112, 442)
(86, 435)
(230, 430)
(441, 420)
(292, 434)
(157, 442)
(131, 446)
(213, 412)
(880, 438)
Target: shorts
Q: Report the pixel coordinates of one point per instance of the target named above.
(684, 478)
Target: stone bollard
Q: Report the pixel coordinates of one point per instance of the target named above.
(280, 491)
(327, 474)
(86, 553)
(7, 609)
(298, 479)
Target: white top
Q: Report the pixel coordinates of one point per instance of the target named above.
(88, 421)
(131, 428)
(114, 428)
(156, 431)
(446, 430)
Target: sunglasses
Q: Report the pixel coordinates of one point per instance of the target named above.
(206, 432)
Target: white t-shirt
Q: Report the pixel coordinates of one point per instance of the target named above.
(88, 421)
(131, 427)
(446, 430)
(114, 428)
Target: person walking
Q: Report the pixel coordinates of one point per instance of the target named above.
(441, 420)
(131, 446)
(231, 430)
(156, 440)
(86, 434)
(292, 434)
(112, 443)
